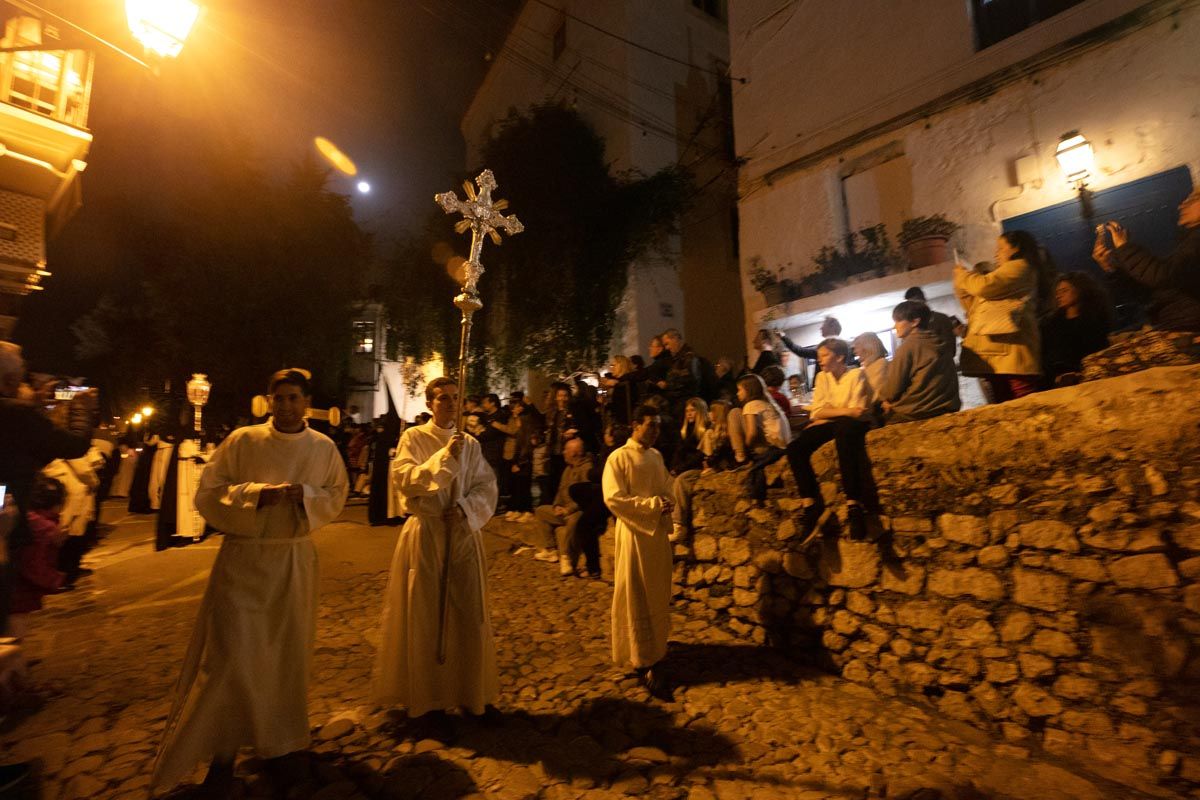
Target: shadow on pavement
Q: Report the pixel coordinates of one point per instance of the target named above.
(599, 741)
(700, 664)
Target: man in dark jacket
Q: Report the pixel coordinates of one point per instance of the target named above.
(684, 374)
(28, 442)
(1174, 281)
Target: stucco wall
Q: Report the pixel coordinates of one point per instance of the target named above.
(1041, 579)
(1136, 98)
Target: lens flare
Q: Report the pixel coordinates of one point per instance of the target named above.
(340, 161)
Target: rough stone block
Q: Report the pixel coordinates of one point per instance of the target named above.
(786, 530)
(966, 582)
(1054, 643)
(1034, 665)
(833, 641)
(846, 623)
(1035, 701)
(1016, 626)
(796, 565)
(1001, 523)
(1107, 512)
(856, 671)
(1084, 569)
(912, 525)
(964, 529)
(1105, 539)
(1047, 534)
(990, 699)
(1155, 481)
(769, 561)
(956, 705)
(1093, 723)
(1001, 672)
(1036, 589)
(854, 565)
(919, 674)
(1134, 706)
(1076, 687)
(1190, 568)
(744, 577)
(860, 603)
(920, 614)
(903, 578)
(1191, 598)
(1005, 494)
(704, 547)
(734, 550)
(1152, 571)
(1187, 537)
(978, 634)
(745, 597)
(994, 556)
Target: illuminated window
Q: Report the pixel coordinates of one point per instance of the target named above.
(996, 20)
(49, 82)
(364, 337)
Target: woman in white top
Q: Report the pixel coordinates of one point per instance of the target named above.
(872, 356)
(758, 432)
(839, 413)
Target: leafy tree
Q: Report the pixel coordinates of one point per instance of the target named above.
(234, 275)
(550, 294)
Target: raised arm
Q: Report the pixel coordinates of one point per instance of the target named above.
(417, 478)
(1010, 278)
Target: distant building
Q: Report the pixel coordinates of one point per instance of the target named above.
(654, 109)
(373, 378)
(44, 143)
(861, 113)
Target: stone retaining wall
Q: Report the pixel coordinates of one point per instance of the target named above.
(1040, 579)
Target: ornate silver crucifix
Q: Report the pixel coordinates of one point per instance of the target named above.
(482, 216)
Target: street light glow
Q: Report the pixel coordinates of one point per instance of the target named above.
(147, 411)
(364, 187)
(136, 419)
(161, 26)
(334, 155)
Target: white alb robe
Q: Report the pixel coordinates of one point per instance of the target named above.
(244, 680)
(406, 672)
(636, 484)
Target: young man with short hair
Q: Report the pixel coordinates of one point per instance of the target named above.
(921, 380)
(244, 680)
(637, 489)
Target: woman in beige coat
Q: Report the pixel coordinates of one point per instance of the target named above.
(1002, 346)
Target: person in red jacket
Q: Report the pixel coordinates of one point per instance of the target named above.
(36, 561)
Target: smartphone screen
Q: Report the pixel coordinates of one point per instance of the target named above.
(3, 492)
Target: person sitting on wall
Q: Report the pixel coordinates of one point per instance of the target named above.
(921, 381)
(943, 326)
(1174, 281)
(758, 432)
(1077, 327)
(839, 413)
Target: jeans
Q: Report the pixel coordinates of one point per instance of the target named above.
(850, 437)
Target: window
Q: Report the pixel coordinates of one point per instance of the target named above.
(713, 8)
(878, 189)
(364, 337)
(560, 40)
(996, 20)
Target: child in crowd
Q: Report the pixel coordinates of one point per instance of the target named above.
(758, 432)
(921, 381)
(36, 560)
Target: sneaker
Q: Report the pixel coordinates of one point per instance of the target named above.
(809, 523)
(545, 555)
(512, 516)
(565, 567)
(587, 573)
(856, 518)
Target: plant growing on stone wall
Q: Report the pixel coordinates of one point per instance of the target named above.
(775, 290)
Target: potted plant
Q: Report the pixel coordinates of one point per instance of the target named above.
(767, 283)
(926, 240)
(865, 254)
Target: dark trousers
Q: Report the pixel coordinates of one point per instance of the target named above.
(757, 477)
(592, 522)
(850, 436)
(520, 487)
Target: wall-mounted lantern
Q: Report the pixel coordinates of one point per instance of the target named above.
(1077, 159)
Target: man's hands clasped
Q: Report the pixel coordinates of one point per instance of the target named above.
(275, 494)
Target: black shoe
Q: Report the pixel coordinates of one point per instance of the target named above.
(13, 775)
(857, 519)
(809, 523)
(658, 686)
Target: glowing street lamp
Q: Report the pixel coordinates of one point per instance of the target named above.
(136, 419)
(161, 26)
(198, 389)
(1075, 157)
(147, 412)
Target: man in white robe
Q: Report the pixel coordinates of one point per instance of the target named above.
(440, 478)
(244, 680)
(637, 489)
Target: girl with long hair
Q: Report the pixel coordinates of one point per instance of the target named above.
(1002, 345)
(1077, 327)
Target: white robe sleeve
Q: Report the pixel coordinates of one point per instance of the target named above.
(641, 514)
(229, 506)
(323, 503)
(478, 501)
(413, 478)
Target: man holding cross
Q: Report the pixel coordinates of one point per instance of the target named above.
(441, 479)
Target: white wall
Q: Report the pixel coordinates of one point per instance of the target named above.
(1137, 99)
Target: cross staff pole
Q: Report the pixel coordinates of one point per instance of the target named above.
(481, 215)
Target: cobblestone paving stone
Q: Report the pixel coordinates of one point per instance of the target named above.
(745, 723)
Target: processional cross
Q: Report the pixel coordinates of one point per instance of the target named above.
(481, 215)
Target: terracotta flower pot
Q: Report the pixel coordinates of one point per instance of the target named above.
(927, 250)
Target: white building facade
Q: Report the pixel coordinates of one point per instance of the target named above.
(653, 109)
(872, 112)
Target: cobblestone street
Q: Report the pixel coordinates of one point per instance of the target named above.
(745, 723)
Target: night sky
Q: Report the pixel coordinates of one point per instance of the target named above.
(387, 80)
